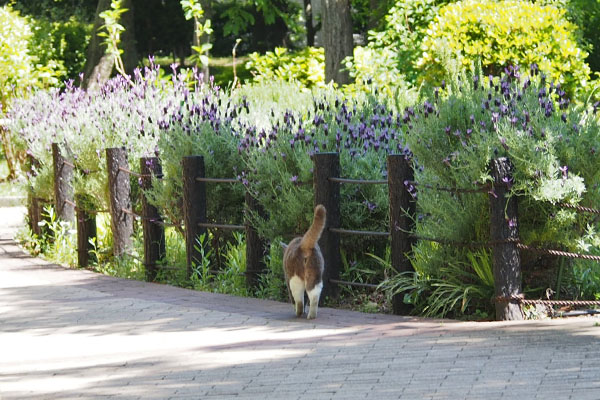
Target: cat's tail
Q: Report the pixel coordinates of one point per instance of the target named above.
(313, 234)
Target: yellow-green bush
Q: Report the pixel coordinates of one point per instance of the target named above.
(502, 33)
(306, 66)
(19, 68)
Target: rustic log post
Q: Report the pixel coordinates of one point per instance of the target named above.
(154, 231)
(63, 191)
(33, 211)
(194, 208)
(504, 232)
(86, 231)
(327, 193)
(402, 217)
(256, 247)
(119, 187)
(38, 216)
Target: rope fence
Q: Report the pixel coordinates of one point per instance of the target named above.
(362, 233)
(482, 189)
(359, 181)
(217, 180)
(580, 208)
(326, 182)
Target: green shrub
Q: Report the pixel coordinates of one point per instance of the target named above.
(280, 168)
(123, 114)
(20, 69)
(306, 66)
(391, 54)
(503, 33)
(552, 146)
(63, 43)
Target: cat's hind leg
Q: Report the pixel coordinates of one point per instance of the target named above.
(297, 289)
(313, 297)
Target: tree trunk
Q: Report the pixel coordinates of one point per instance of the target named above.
(128, 44)
(99, 65)
(337, 38)
(310, 27)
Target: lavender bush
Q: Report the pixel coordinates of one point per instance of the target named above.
(124, 113)
(266, 134)
(456, 132)
(280, 167)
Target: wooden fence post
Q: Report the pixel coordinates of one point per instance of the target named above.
(327, 193)
(256, 247)
(504, 232)
(63, 191)
(194, 208)
(86, 230)
(119, 186)
(154, 232)
(402, 214)
(34, 214)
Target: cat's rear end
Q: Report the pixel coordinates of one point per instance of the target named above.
(303, 265)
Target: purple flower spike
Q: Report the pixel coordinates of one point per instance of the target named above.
(565, 171)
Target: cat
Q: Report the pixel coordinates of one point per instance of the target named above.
(303, 265)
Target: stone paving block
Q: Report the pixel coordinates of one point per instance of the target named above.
(111, 338)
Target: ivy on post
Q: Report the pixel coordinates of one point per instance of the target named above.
(504, 233)
(86, 231)
(327, 193)
(402, 216)
(194, 208)
(256, 247)
(63, 191)
(119, 187)
(154, 232)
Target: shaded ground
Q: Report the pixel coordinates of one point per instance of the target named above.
(67, 334)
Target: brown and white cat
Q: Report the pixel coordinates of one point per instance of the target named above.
(303, 265)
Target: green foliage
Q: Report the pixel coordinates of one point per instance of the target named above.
(231, 278)
(62, 42)
(457, 289)
(112, 30)
(272, 283)
(198, 131)
(391, 54)
(59, 241)
(193, 10)
(306, 66)
(376, 69)
(585, 14)
(20, 69)
(124, 114)
(56, 10)
(280, 172)
(503, 33)
(239, 14)
(455, 136)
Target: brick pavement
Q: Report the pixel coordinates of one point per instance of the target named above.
(69, 334)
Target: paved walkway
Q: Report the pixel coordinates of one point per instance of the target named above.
(67, 334)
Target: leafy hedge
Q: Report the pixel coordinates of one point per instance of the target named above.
(503, 33)
(19, 67)
(306, 66)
